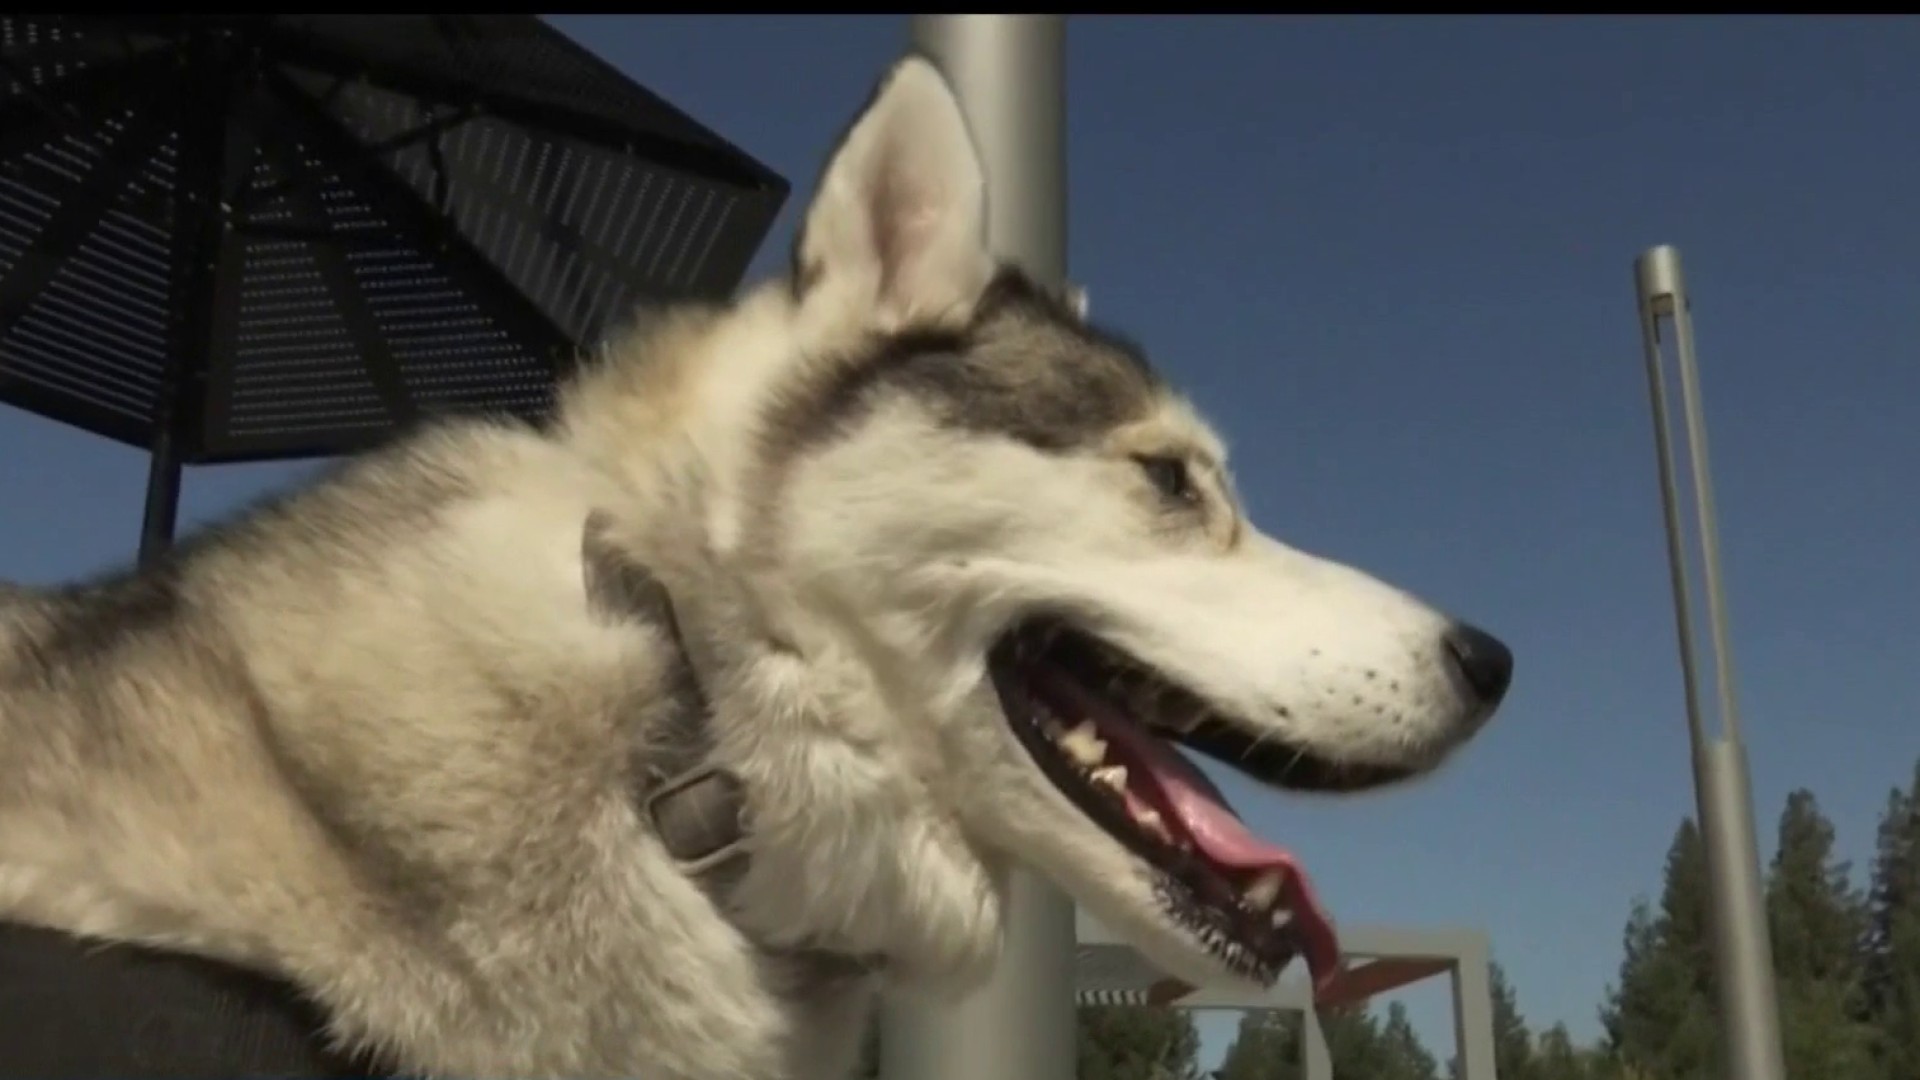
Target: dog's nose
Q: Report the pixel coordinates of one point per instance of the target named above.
(1484, 661)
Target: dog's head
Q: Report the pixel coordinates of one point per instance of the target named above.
(1034, 549)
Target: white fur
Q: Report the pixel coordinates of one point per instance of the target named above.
(838, 607)
(911, 547)
(897, 231)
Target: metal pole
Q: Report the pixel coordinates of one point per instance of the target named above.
(1743, 954)
(157, 522)
(1009, 72)
(206, 159)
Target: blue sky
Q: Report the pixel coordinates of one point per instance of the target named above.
(1392, 257)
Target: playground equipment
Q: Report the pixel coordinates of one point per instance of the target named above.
(1381, 959)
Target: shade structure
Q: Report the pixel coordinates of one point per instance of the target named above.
(1375, 960)
(247, 237)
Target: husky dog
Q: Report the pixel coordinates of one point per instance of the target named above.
(943, 572)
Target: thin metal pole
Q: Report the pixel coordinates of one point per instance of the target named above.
(1743, 953)
(162, 511)
(1009, 72)
(200, 213)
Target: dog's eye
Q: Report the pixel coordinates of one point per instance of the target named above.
(1171, 477)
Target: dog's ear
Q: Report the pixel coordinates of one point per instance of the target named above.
(898, 226)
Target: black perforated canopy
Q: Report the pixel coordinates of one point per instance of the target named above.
(247, 237)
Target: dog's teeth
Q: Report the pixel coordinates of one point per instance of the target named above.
(1113, 776)
(1150, 820)
(1083, 746)
(1281, 917)
(1264, 890)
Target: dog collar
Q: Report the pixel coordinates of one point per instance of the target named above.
(697, 809)
(695, 806)
(699, 814)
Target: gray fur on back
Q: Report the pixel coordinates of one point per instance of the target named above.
(299, 745)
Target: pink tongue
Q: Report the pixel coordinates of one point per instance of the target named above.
(1203, 814)
(1217, 831)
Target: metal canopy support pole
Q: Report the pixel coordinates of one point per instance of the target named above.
(200, 215)
(1743, 955)
(1009, 72)
(162, 510)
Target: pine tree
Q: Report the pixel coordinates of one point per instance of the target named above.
(1403, 1056)
(1659, 1016)
(1556, 1058)
(1892, 963)
(1898, 1022)
(1686, 904)
(1814, 914)
(1137, 1042)
(1817, 922)
(1266, 1047)
(1513, 1051)
(1889, 891)
(1512, 1042)
(1629, 1010)
(1354, 1045)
